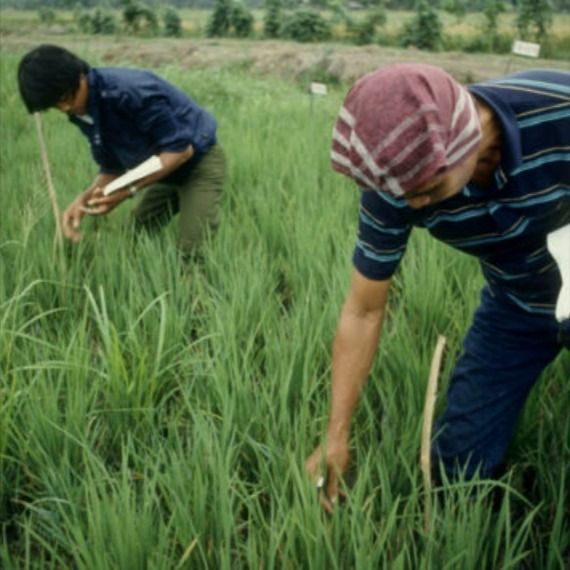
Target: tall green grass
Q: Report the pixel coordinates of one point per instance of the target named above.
(157, 415)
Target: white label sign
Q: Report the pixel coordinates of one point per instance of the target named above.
(527, 49)
(318, 88)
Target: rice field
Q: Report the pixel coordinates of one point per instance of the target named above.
(157, 415)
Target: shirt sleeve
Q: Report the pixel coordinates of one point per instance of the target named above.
(172, 126)
(108, 164)
(382, 235)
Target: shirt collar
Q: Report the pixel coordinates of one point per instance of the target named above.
(511, 152)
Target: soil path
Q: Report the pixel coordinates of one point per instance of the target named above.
(287, 60)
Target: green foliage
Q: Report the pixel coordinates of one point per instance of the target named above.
(534, 19)
(172, 23)
(306, 26)
(139, 19)
(241, 20)
(424, 31)
(273, 19)
(46, 15)
(221, 19)
(156, 416)
(493, 8)
(484, 43)
(230, 17)
(103, 22)
(99, 22)
(456, 7)
(364, 32)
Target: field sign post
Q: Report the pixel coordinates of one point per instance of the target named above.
(524, 49)
(316, 89)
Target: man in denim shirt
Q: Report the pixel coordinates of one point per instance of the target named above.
(128, 115)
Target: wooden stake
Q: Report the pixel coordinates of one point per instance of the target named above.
(429, 407)
(51, 190)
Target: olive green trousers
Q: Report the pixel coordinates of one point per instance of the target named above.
(197, 201)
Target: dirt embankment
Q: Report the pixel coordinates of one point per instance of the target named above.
(287, 60)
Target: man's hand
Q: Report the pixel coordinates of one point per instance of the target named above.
(327, 465)
(72, 217)
(100, 205)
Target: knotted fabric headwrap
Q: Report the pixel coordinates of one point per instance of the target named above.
(401, 125)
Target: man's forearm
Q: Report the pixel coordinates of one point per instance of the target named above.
(170, 162)
(354, 348)
(100, 181)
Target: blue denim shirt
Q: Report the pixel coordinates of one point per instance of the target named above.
(135, 114)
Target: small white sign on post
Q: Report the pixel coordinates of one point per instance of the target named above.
(318, 88)
(526, 49)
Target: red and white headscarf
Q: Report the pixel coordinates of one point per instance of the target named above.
(401, 125)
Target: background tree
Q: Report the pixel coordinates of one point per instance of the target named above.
(220, 20)
(46, 15)
(273, 19)
(306, 26)
(456, 7)
(424, 30)
(364, 32)
(172, 23)
(103, 22)
(534, 19)
(241, 20)
(493, 8)
(139, 18)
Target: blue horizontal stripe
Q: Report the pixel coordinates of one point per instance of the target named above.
(523, 203)
(382, 229)
(491, 239)
(544, 118)
(532, 83)
(392, 200)
(530, 308)
(554, 157)
(514, 276)
(395, 257)
(450, 217)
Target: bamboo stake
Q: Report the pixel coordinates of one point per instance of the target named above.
(429, 407)
(47, 170)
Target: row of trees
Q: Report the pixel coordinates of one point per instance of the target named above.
(135, 19)
(465, 5)
(233, 18)
(534, 18)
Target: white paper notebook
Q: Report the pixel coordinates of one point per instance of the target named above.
(143, 170)
(558, 244)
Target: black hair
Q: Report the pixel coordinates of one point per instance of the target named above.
(48, 74)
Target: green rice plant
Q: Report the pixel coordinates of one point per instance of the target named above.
(157, 415)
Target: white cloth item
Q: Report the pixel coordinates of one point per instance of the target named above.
(558, 243)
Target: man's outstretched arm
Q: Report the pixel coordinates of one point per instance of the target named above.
(354, 348)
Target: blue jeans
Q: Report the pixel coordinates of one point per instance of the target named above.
(505, 351)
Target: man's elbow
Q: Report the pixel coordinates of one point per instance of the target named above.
(187, 153)
(364, 312)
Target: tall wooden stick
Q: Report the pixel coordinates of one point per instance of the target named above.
(429, 407)
(51, 190)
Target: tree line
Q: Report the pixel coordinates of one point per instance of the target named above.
(467, 5)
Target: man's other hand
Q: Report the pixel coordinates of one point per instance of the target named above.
(72, 216)
(326, 465)
(100, 205)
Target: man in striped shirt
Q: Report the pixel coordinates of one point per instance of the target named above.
(486, 169)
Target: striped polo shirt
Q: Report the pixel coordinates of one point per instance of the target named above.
(505, 225)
